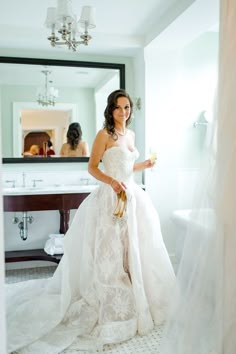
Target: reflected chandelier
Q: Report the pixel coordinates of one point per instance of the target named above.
(47, 95)
(62, 19)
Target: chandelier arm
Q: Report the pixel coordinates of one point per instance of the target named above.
(66, 25)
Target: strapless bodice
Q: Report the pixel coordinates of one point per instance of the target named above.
(119, 161)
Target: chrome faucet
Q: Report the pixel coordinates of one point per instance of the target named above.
(13, 181)
(84, 180)
(36, 180)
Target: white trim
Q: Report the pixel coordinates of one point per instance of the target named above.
(17, 129)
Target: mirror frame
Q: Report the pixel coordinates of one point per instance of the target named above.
(66, 63)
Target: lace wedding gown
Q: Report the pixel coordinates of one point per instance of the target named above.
(90, 300)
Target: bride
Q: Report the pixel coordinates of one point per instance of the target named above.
(115, 277)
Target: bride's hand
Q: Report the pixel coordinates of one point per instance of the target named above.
(149, 163)
(117, 186)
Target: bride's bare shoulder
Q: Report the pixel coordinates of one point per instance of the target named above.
(102, 132)
(102, 137)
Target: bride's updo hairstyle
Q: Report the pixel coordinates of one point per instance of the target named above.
(74, 135)
(111, 105)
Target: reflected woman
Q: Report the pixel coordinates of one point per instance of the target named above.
(33, 151)
(74, 147)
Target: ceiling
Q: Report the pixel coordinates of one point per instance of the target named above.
(32, 75)
(122, 27)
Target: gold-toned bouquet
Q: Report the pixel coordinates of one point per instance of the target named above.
(121, 203)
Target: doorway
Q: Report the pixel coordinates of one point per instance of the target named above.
(29, 117)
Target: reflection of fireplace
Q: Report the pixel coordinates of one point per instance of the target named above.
(35, 138)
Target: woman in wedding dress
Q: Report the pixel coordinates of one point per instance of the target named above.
(115, 278)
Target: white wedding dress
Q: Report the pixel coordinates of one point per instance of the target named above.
(90, 300)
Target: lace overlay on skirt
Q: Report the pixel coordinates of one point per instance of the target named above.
(90, 300)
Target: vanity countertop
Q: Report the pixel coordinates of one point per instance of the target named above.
(53, 189)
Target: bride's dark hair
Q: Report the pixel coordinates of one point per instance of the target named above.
(74, 135)
(109, 124)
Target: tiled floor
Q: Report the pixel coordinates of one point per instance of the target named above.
(149, 344)
(16, 275)
(138, 345)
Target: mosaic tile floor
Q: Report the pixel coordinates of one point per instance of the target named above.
(149, 344)
(16, 275)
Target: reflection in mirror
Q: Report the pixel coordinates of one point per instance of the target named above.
(79, 89)
(75, 146)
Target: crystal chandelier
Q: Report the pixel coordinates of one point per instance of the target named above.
(72, 33)
(48, 94)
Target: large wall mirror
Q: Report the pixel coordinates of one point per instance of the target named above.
(79, 90)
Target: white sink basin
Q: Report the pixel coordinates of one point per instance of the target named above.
(54, 189)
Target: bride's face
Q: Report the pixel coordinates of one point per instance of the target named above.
(122, 111)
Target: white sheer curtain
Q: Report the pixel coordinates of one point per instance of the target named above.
(2, 267)
(202, 319)
(2, 283)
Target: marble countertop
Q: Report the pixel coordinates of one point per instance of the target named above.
(51, 189)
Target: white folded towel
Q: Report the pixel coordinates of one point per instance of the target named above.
(55, 244)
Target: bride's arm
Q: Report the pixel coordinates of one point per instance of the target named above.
(138, 166)
(98, 149)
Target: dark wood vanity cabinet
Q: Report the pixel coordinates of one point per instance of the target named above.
(40, 202)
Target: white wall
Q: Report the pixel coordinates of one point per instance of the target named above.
(179, 85)
(139, 121)
(102, 91)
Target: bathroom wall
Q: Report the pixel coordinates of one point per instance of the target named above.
(139, 116)
(184, 86)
